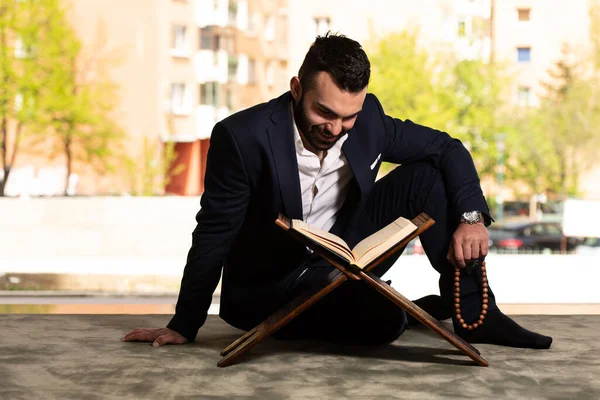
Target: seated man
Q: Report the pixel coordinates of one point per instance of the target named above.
(313, 154)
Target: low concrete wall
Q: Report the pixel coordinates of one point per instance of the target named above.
(514, 278)
(96, 228)
(141, 243)
(114, 244)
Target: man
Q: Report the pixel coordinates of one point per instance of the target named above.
(314, 154)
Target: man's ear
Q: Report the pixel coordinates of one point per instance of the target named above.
(296, 88)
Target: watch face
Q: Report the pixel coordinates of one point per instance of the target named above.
(471, 216)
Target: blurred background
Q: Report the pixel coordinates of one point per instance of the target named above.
(106, 110)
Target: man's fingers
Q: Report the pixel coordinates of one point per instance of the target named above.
(484, 248)
(130, 334)
(469, 243)
(169, 338)
(141, 335)
(162, 340)
(158, 336)
(467, 251)
(458, 254)
(474, 251)
(133, 332)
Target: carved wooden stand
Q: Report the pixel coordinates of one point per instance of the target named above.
(291, 310)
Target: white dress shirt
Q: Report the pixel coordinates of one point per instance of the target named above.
(323, 184)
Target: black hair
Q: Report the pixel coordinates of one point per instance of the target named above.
(343, 58)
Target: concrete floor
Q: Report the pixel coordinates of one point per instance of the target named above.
(81, 357)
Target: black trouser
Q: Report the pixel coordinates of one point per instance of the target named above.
(355, 312)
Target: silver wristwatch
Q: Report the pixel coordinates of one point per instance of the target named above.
(472, 217)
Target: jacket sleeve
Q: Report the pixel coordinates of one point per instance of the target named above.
(222, 212)
(407, 142)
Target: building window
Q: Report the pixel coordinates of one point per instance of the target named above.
(232, 67)
(179, 98)
(524, 14)
(270, 28)
(229, 99)
(233, 12)
(251, 71)
(206, 39)
(321, 26)
(252, 23)
(462, 28)
(242, 14)
(179, 41)
(209, 94)
(524, 96)
(211, 41)
(524, 54)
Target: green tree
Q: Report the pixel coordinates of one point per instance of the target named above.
(479, 108)
(153, 171)
(559, 140)
(403, 77)
(405, 80)
(79, 99)
(22, 30)
(528, 166)
(553, 144)
(461, 97)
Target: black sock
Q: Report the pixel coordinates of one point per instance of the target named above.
(433, 306)
(500, 329)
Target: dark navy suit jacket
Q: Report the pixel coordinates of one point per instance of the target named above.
(252, 176)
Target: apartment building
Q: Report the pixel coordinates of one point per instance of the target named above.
(531, 33)
(181, 66)
(528, 34)
(241, 59)
(186, 64)
(525, 35)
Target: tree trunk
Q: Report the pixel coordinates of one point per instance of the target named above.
(563, 175)
(5, 165)
(3, 181)
(69, 155)
(4, 121)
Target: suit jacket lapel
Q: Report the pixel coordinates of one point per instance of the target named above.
(281, 137)
(355, 154)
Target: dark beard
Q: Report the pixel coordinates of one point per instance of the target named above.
(311, 133)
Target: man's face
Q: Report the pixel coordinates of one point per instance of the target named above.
(323, 112)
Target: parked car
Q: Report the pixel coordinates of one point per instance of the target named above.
(589, 246)
(414, 247)
(529, 236)
(516, 208)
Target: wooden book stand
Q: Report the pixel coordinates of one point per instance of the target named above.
(343, 272)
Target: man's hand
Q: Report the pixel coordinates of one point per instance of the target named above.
(158, 336)
(469, 242)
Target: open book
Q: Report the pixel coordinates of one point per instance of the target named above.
(366, 250)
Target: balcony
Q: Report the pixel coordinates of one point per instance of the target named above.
(208, 15)
(473, 49)
(478, 8)
(207, 117)
(232, 13)
(211, 66)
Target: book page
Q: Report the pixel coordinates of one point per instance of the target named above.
(378, 243)
(326, 239)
